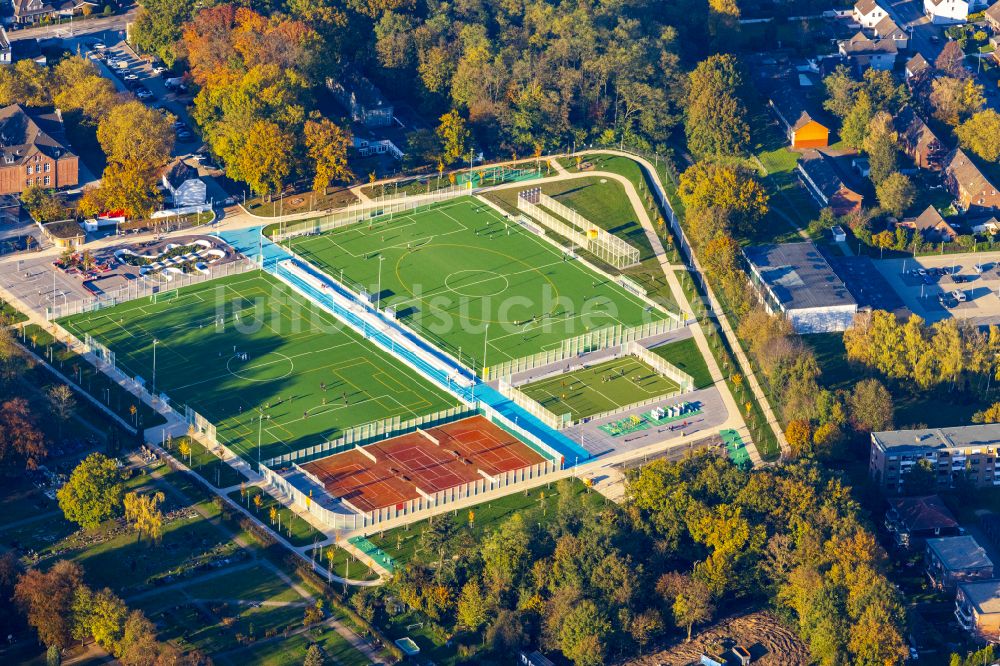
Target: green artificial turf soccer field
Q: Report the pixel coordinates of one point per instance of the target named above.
(292, 347)
(453, 269)
(600, 388)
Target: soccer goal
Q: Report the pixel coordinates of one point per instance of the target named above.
(164, 296)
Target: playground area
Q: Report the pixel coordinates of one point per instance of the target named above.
(654, 418)
(473, 281)
(273, 372)
(600, 388)
(421, 464)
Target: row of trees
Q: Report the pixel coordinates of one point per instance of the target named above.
(62, 608)
(695, 538)
(945, 353)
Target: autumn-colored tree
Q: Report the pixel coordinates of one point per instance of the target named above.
(135, 134)
(453, 135)
(871, 406)
(99, 616)
(955, 100)
(689, 599)
(711, 185)
(93, 492)
(184, 449)
(43, 204)
(142, 512)
(981, 134)
(583, 634)
(855, 126)
(327, 146)
(62, 403)
(264, 161)
(21, 441)
(47, 601)
(472, 606)
(989, 415)
(127, 187)
(799, 436)
(827, 440)
(951, 61)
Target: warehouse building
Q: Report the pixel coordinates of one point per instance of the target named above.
(796, 280)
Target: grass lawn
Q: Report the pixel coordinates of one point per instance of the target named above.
(254, 584)
(600, 388)
(294, 528)
(685, 355)
(456, 269)
(403, 543)
(206, 464)
(89, 378)
(292, 348)
(301, 202)
(345, 564)
(10, 315)
(293, 651)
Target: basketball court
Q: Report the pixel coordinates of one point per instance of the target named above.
(420, 464)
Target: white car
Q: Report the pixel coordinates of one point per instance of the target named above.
(959, 296)
(159, 69)
(131, 77)
(99, 46)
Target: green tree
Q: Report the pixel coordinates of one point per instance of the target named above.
(856, 123)
(880, 145)
(314, 656)
(159, 25)
(921, 479)
(871, 406)
(583, 633)
(43, 204)
(93, 492)
(981, 134)
(454, 135)
(841, 92)
(472, 606)
(716, 116)
(99, 615)
(505, 554)
(896, 194)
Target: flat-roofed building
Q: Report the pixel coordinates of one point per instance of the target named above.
(956, 559)
(969, 451)
(977, 609)
(797, 281)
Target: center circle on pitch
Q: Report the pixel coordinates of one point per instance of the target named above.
(476, 283)
(266, 368)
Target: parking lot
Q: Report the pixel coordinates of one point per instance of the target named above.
(966, 286)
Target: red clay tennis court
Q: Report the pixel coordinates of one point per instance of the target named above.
(421, 463)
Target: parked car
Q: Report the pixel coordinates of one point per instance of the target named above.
(959, 296)
(144, 93)
(980, 268)
(184, 135)
(159, 69)
(131, 77)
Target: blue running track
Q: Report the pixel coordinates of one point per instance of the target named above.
(251, 243)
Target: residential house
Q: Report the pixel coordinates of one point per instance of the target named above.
(33, 11)
(993, 17)
(931, 226)
(969, 452)
(365, 102)
(184, 186)
(864, 53)
(977, 609)
(801, 126)
(918, 141)
(887, 29)
(820, 176)
(916, 68)
(913, 520)
(944, 12)
(868, 13)
(34, 150)
(972, 189)
(956, 559)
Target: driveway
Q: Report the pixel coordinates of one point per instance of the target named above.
(909, 15)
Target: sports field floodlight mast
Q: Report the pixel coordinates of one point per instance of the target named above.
(154, 366)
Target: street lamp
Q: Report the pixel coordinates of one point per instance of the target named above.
(154, 366)
(378, 294)
(260, 422)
